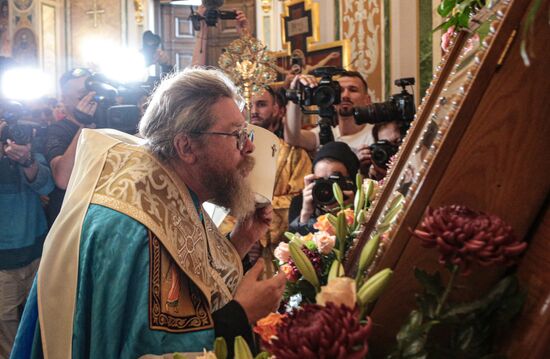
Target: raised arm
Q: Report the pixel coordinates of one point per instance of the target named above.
(294, 134)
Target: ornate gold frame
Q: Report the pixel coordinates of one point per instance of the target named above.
(311, 41)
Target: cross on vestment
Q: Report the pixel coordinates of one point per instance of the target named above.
(301, 32)
(95, 12)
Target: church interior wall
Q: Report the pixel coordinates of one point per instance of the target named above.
(61, 28)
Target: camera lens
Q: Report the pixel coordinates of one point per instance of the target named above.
(380, 157)
(324, 96)
(375, 113)
(322, 192)
(382, 151)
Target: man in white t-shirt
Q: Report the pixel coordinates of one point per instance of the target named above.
(353, 94)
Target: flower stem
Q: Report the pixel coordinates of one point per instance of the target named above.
(450, 284)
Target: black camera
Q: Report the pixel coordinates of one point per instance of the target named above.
(104, 89)
(324, 96)
(381, 152)
(211, 15)
(20, 132)
(400, 107)
(109, 113)
(322, 189)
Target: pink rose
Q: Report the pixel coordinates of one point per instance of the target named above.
(324, 242)
(282, 252)
(446, 39)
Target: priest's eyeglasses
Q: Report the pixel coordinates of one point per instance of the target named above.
(242, 135)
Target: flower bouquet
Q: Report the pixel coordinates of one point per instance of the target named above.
(325, 313)
(310, 261)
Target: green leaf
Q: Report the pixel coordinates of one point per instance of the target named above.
(332, 219)
(527, 28)
(427, 304)
(431, 283)
(496, 293)
(358, 181)
(220, 348)
(441, 26)
(464, 18)
(290, 235)
(179, 356)
(359, 201)
(242, 351)
(465, 338)
(303, 264)
(263, 355)
(341, 228)
(336, 270)
(483, 29)
(337, 191)
(446, 7)
(367, 256)
(395, 207)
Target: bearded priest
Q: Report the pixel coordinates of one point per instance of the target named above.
(133, 266)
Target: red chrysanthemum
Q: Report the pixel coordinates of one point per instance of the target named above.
(464, 236)
(314, 331)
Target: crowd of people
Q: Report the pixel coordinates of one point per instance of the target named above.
(130, 263)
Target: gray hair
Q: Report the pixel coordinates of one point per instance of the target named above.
(182, 103)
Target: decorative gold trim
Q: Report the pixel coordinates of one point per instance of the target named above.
(158, 318)
(134, 183)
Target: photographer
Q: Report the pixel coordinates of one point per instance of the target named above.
(387, 137)
(353, 94)
(80, 107)
(24, 176)
(199, 53)
(334, 161)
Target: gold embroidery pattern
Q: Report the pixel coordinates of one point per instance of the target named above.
(160, 320)
(135, 183)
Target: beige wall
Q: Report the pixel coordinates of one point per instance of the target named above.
(404, 40)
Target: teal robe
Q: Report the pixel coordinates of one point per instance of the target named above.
(119, 288)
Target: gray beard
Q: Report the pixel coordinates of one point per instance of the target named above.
(230, 190)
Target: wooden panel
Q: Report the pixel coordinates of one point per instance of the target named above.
(530, 337)
(178, 36)
(222, 35)
(500, 166)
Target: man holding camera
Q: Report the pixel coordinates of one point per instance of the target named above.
(387, 137)
(24, 177)
(334, 162)
(354, 93)
(133, 265)
(80, 107)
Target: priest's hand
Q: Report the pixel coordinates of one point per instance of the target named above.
(250, 229)
(259, 297)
